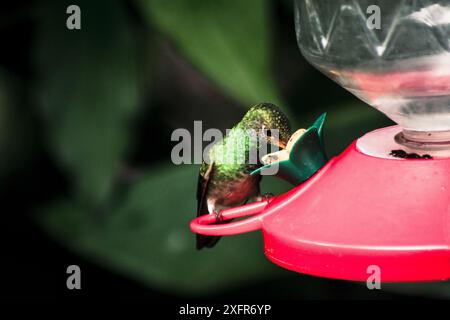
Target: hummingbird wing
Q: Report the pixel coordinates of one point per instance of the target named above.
(202, 189)
(202, 205)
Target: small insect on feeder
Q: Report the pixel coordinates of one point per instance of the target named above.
(385, 201)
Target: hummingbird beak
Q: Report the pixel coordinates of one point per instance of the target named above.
(280, 144)
(276, 142)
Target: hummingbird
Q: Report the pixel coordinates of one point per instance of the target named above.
(225, 184)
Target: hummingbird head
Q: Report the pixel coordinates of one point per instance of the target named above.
(270, 123)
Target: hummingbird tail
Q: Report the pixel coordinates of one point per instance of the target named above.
(206, 241)
(210, 241)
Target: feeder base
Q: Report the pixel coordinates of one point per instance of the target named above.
(362, 213)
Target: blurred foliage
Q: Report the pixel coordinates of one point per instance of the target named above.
(227, 40)
(435, 289)
(87, 93)
(14, 134)
(88, 100)
(148, 236)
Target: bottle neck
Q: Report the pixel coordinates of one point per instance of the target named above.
(424, 140)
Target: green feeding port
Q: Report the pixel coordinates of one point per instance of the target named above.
(306, 156)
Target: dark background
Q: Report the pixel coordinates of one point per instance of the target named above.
(85, 123)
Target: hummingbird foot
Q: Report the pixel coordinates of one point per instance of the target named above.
(266, 196)
(218, 215)
(263, 197)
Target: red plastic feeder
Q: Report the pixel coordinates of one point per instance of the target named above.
(363, 208)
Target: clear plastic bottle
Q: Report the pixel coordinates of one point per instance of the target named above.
(394, 55)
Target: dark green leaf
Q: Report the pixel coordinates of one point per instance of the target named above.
(87, 92)
(227, 40)
(16, 137)
(149, 237)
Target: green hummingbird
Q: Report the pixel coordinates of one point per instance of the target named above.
(225, 180)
